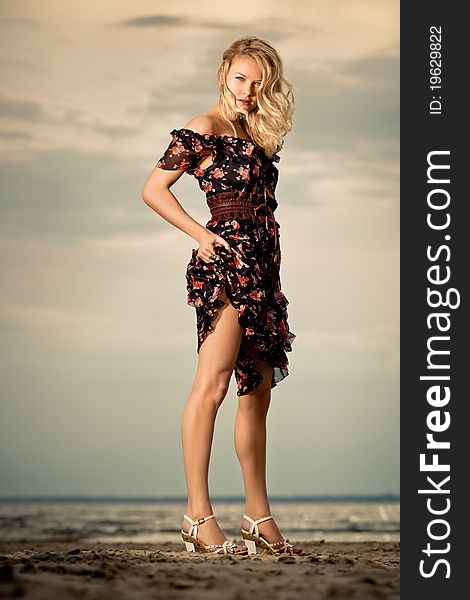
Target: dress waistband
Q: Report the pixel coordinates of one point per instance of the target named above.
(235, 204)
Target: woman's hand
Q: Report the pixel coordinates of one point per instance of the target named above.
(207, 243)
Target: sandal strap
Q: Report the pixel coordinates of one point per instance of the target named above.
(254, 524)
(194, 524)
(286, 546)
(227, 545)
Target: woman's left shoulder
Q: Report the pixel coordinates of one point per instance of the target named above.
(202, 124)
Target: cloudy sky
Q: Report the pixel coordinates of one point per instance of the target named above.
(98, 344)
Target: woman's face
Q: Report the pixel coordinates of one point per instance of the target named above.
(243, 80)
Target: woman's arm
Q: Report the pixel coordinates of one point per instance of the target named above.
(156, 194)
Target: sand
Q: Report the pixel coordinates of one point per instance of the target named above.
(75, 570)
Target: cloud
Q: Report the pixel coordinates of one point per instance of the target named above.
(24, 110)
(15, 135)
(156, 21)
(271, 28)
(20, 22)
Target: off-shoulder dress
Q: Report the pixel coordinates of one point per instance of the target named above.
(240, 186)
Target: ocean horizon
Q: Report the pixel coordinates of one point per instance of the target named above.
(386, 497)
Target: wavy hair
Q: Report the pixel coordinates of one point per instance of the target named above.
(271, 119)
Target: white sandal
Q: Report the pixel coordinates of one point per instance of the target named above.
(193, 544)
(254, 540)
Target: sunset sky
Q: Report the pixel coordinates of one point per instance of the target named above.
(98, 344)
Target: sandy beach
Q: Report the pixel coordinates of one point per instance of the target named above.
(71, 570)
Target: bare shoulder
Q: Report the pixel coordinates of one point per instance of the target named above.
(203, 123)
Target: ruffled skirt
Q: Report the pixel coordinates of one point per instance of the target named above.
(250, 276)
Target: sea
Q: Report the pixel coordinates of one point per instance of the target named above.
(156, 520)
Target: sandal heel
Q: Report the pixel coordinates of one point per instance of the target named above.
(250, 544)
(189, 547)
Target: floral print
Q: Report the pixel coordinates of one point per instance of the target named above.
(250, 274)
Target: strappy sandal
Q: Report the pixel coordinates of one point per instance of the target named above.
(193, 544)
(253, 540)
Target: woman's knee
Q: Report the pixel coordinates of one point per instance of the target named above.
(211, 388)
(259, 399)
(256, 402)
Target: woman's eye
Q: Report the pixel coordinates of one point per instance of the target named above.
(258, 83)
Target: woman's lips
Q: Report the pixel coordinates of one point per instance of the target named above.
(245, 102)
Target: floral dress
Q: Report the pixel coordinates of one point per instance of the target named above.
(241, 173)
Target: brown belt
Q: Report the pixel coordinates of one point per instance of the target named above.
(233, 204)
(226, 205)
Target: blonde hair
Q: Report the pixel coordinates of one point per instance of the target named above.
(271, 119)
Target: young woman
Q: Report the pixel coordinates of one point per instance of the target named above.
(233, 281)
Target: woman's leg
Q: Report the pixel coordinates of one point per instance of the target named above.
(216, 362)
(250, 445)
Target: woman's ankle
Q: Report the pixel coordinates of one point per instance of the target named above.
(198, 512)
(257, 512)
